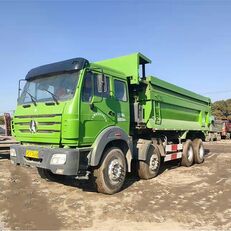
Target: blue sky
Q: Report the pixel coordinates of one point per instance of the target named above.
(189, 42)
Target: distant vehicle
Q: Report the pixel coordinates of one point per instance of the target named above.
(6, 140)
(215, 130)
(80, 119)
(226, 129)
(219, 129)
(7, 121)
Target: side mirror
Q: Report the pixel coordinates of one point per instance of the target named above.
(20, 86)
(101, 83)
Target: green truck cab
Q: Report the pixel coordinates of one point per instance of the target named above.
(82, 119)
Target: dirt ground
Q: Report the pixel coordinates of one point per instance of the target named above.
(180, 198)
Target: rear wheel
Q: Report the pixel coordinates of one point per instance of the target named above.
(48, 175)
(150, 167)
(109, 177)
(187, 156)
(199, 151)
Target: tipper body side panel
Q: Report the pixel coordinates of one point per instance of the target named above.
(169, 107)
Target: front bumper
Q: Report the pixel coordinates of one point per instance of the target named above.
(70, 167)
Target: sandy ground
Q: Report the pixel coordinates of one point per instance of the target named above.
(180, 198)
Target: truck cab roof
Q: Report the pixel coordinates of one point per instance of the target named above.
(73, 64)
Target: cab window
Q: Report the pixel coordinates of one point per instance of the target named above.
(87, 88)
(106, 92)
(120, 90)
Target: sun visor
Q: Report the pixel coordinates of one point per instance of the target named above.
(58, 67)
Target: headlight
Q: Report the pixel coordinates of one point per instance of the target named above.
(58, 159)
(12, 152)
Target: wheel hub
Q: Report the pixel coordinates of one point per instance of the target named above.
(190, 154)
(115, 171)
(201, 152)
(154, 163)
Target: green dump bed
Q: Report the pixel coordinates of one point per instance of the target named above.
(169, 107)
(162, 106)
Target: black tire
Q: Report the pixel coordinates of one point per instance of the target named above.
(49, 176)
(199, 151)
(109, 177)
(188, 154)
(150, 167)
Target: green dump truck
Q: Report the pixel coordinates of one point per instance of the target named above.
(81, 119)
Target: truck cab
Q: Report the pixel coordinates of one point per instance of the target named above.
(62, 107)
(67, 113)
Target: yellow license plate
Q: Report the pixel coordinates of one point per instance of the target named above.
(32, 154)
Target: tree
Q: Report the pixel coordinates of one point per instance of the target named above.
(1, 120)
(222, 109)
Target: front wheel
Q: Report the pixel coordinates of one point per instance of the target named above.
(110, 175)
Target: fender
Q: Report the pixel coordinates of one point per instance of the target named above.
(142, 148)
(144, 145)
(109, 134)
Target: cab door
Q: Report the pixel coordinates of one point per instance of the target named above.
(120, 104)
(95, 111)
(102, 109)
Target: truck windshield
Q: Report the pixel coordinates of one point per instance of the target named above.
(60, 86)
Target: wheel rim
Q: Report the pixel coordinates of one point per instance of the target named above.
(154, 163)
(201, 152)
(115, 171)
(190, 154)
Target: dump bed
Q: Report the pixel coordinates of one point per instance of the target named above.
(169, 107)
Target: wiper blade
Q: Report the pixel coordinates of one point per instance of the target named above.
(54, 97)
(33, 99)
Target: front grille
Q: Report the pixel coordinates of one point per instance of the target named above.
(46, 128)
(38, 116)
(40, 123)
(38, 131)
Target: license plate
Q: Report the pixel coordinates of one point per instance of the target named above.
(32, 154)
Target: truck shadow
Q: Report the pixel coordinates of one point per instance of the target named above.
(131, 178)
(207, 151)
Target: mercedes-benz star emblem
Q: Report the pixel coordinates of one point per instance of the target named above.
(33, 126)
